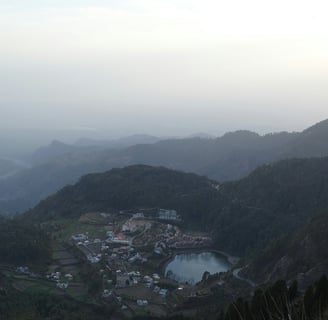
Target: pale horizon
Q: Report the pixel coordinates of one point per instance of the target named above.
(171, 67)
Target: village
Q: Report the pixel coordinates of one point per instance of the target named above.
(126, 253)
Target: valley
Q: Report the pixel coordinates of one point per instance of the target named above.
(144, 242)
(118, 259)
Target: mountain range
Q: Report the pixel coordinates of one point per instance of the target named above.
(230, 157)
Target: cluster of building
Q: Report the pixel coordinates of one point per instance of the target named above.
(23, 270)
(134, 278)
(135, 224)
(142, 303)
(118, 252)
(173, 238)
(62, 282)
(120, 238)
(191, 242)
(98, 249)
(152, 283)
(26, 271)
(94, 258)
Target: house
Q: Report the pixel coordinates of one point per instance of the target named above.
(62, 285)
(110, 234)
(136, 257)
(158, 250)
(120, 241)
(106, 293)
(79, 237)
(68, 276)
(163, 292)
(93, 259)
(165, 214)
(142, 303)
(55, 276)
(156, 277)
(138, 215)
(23, 270)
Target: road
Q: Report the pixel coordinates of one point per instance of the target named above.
(237, 276)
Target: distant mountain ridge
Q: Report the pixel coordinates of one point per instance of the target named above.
(8, 167)
(230, 157)
(83, 146)
(120, 143)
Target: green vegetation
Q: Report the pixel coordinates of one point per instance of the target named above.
(130, 188)
(15, 305)
(63, 229)
(23, 244)
(281, 302)
(303, 252)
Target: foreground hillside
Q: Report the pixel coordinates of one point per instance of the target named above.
(302, 255)
(230, 157)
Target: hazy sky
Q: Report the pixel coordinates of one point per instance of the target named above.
(163, 66)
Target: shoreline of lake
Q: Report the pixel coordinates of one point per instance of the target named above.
(231, 260)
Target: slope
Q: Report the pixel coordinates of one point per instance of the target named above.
(131, 188)
(302, 255)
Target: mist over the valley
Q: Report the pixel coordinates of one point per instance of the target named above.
(163, 159)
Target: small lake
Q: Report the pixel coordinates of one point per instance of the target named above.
(191, 266)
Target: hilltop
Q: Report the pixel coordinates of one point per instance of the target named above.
(130, 188)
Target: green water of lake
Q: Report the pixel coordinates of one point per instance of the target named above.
(189, 267)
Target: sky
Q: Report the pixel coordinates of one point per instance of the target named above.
(163, 67)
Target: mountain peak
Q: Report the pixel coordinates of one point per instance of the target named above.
(318, 128)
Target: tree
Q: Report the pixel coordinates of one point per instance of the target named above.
(205, 276)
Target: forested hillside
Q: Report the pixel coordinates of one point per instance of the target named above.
(22, 244)
(302, 255)
(132, 188)
(242, 216)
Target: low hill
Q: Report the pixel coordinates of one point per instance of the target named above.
(131, 188)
